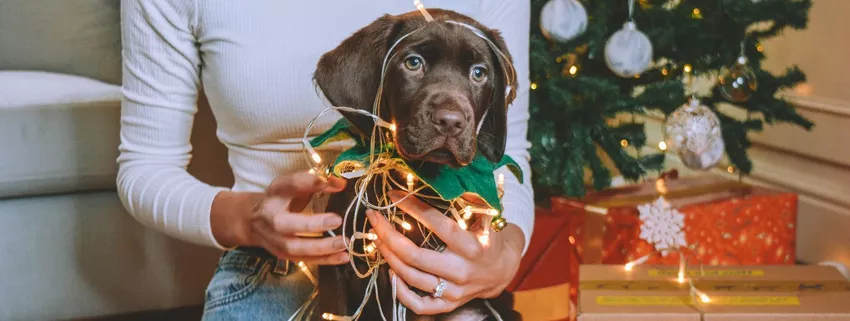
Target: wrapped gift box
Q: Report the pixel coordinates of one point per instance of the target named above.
(725, 222)
(755, 292)
(544, 286)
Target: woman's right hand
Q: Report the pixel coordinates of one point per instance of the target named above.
(273, 220)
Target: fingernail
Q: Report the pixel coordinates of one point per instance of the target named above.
(332, 221)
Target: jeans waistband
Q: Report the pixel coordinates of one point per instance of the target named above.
(281, 266)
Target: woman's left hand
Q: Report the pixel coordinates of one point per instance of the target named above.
(471, 270)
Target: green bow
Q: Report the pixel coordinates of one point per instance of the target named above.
(447, 182)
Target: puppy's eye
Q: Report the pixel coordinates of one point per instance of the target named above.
(413, 63)
(478, 74)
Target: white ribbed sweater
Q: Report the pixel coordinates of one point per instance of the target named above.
(254, 60)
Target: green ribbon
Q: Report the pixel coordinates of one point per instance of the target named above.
(447, 182)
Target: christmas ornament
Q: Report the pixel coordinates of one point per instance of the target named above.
(693, 132)
(628, 52)
(562, 20)
(738, 83)
(662, 225)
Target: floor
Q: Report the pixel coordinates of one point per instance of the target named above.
(179, 314)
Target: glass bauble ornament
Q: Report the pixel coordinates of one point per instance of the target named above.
(693, 132)
(738, 83)
(628, 52)
(562, 20)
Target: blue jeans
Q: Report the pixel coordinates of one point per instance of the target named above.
(250, 285)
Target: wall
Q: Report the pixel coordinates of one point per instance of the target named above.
(815, 164)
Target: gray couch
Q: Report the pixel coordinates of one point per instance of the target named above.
(68, 249)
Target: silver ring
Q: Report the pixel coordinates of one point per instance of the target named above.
(440, 288)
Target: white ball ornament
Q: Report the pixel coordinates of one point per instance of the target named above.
(628, 52)
(693, 132)
(562, 20)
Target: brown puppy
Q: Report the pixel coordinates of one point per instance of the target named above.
(441, 84)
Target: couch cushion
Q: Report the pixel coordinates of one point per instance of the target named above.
(60, 133)
(80, 37)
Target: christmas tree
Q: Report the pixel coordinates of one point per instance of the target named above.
(579, 101)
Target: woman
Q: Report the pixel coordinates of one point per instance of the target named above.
(254, 60)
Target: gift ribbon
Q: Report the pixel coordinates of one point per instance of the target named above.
(600, 206)
(720, 286)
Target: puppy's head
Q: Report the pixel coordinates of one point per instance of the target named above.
(441, 83)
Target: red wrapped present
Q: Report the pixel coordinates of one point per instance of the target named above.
(544, 286)
(711, 220)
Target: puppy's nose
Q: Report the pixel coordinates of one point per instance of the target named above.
(448, 122)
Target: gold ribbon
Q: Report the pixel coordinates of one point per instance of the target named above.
(720, 286)
(683, 192)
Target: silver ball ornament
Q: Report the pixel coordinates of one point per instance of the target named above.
(628, 52)
(738, 83)
(693, 132)
(562, 20)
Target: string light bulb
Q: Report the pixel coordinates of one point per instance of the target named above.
(573, 70)
(533, 86)
(681, 275)
(404, 224)
(631, 265)
(370, 248)
(367, 236)
(662, 146)
(306, 271)
(493, 212)
(410, 179)
(688, 68)
(624, 143)
(334, 317)
(467, 212)
(422, 10)
(702, 296)
(393, 127)
(462, 224)
(484, 238)
(664, 71)
(730, 169)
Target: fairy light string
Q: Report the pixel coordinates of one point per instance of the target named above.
(382, 171)
(682, 276)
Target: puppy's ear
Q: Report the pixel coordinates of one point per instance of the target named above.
(349, 75)
(494, 127)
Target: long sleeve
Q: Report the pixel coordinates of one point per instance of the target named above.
(511, 18)
(160, 88)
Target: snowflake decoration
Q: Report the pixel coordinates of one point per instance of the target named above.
(662, 225)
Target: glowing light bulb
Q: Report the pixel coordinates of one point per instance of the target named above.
(730, 169)
(629, 266)
(316, 157)
(467, 212)
(500, 179)
(492, 212)
(405, 225)
(533, 86)
(681, 278)
(484, 238)
(688, 68)
(302, 265)
(662, 145)
(368, 236)
(312, 171)
(410, 179)
(704, 297)
(664, 71)
(462, 224)
(370, 248)
(573, 70)
(624, 143)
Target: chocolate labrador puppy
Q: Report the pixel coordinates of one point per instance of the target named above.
(441, 84)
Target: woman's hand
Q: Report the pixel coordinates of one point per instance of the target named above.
(272, 220)
(471, 270)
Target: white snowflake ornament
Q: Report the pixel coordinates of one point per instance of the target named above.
(663, 226)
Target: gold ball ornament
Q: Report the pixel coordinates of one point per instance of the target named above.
(499, 224)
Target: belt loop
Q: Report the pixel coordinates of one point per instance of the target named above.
(281, 267)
